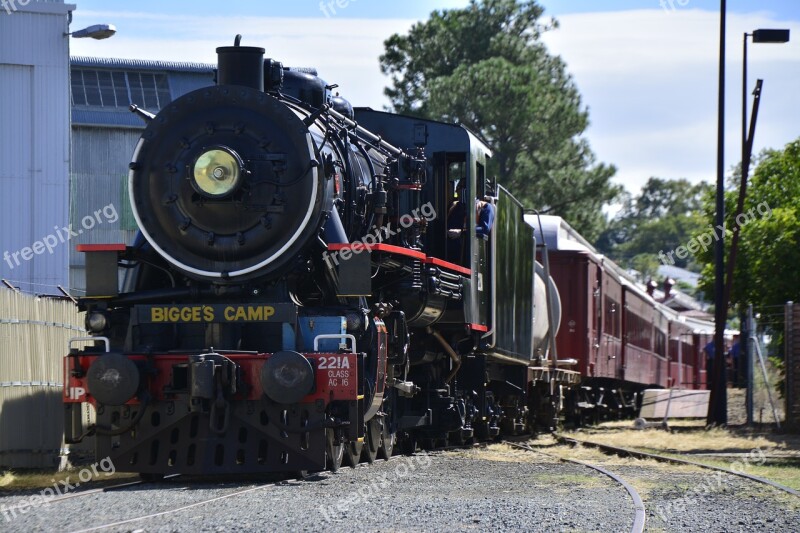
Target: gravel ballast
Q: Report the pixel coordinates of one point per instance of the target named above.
(486, 489)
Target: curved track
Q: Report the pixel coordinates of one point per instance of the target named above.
(664, 459)
(640, 516)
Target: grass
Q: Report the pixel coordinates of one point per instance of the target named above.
(7, 478)
(687, 440)
(782, 451)
(39, 479)
(575, 479)
(781, 471)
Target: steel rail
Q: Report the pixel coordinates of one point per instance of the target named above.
(665, 459)
(89, 492)
(178, 509)
(640, 515)
(303, 476)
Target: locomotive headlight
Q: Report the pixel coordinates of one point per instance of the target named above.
(96, 322)
(113, 379)
(217, 172)
(287, 377)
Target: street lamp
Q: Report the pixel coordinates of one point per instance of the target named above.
(759, 36)
(98, 31)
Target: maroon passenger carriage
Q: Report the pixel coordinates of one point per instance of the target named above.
(622, 339)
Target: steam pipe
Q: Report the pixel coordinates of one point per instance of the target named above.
(449, 349)
(371, 137)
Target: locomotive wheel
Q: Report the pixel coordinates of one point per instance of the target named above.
(372, 441)
(352, 453)
(387, 441)
(333, 452)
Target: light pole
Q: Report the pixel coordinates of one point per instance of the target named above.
(759, 36)
(718, 405)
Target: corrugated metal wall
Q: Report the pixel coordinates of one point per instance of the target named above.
(101, 154)
(34, 143)
(100, 158)
(34, 334)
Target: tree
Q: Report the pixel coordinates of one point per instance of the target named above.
(484, 67)
(766, 272)
(665, 216)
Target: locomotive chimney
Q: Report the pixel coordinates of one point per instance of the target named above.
(240, 65)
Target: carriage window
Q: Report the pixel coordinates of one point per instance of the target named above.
(638, 330)
(661, 341)
(612, 317)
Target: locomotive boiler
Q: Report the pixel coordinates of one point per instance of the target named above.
(293, 300)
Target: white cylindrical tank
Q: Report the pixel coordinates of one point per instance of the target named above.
(541, 320)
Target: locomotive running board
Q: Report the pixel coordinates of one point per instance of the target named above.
(558, 375)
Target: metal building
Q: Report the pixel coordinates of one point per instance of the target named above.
(104, 134)
(46, 208)
(34, 143)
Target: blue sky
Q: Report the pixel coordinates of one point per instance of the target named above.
(417, 9)
(372, 9)
(784, 8)
(647, 69)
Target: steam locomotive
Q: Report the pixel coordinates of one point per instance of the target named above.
(297, 299)
(294, 300)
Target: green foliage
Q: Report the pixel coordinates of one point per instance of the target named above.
(769, 248)
(646, 265)
(484, 67)
(661, 219)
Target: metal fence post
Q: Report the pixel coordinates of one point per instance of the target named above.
(791, 354)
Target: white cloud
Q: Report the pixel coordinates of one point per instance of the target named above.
(344, 51)
(649, 77)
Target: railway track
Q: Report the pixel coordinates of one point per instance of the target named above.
(327, 505)
(674, 460)
(302, 476)
(89, 492)
(640, 512)
(178, 509)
